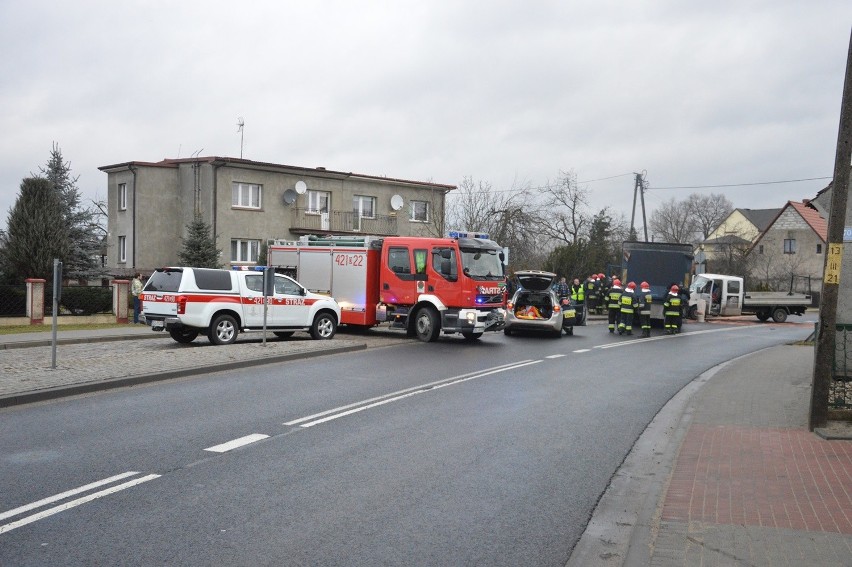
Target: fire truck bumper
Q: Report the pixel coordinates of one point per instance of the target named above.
(477, 321)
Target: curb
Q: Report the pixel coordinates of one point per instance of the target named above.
(89, 387)
(77, 341)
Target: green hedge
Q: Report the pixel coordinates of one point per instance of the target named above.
(86, 300)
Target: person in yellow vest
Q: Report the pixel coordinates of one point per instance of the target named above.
(645, 299)
(578, 298)
(672, 313)
(628, 306)
(614, 305)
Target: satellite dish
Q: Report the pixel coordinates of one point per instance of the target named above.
(396, 202)
(301, 187)
(290, 197)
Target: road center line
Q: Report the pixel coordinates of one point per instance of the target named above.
(556, 355)
(73, 503)
(399, 393)
(230, 445)
(64, 495)
(342, 412)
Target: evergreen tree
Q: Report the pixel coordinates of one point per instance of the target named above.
(199, 249)
(262, 253)
(82, 226)
(36, 233)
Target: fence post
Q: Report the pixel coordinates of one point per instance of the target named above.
(120, 289)
(35, 300)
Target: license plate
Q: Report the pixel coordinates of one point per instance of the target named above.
(157, 325)
(570, 314)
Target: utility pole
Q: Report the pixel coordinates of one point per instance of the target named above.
(639, 187)
(833, 271)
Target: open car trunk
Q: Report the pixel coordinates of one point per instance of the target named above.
(534, 306)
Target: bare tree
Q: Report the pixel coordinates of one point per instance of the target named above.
(567, 216)
(673, 222)
(708, 211)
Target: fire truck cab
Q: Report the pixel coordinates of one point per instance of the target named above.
(423, 285)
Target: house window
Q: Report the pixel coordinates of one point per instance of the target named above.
(122, 248)
(819, 248)
(244, 250)
(318, 201)
(419, 211)
(245, 195)
(760, 249)
(122, 196)
(364, 207)
(789, 246)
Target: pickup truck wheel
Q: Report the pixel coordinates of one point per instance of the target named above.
(763, 315)
(779, 315)
(427, 325)
(183, 336)
(324, 326)
(283, 334)
(223, 330)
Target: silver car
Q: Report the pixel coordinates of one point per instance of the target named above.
(535, 306)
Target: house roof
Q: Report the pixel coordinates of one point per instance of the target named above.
(760, 218)
(727, 240)
(818, 224)
(240, 162)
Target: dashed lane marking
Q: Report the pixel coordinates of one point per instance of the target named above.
(242, 441)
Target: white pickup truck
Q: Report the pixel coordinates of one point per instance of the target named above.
(187, 302)
(725, 296)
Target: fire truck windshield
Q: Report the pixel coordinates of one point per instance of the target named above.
(482, 264)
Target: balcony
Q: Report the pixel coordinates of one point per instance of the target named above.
(304, 221)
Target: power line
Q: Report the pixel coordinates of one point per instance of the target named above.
(741, 184)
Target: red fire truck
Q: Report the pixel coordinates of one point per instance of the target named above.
(422, 285)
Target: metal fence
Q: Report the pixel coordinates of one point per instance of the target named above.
(75, 300)
(840, 389)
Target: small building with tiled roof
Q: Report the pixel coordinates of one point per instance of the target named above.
(793, 244)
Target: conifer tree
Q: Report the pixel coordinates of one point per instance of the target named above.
(199, 249)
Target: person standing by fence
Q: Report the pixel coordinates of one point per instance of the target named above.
(136, 290)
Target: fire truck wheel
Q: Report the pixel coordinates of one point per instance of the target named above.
(427, 325)
(471, 336)
(223, 330)
(324, 326)
(183, 336)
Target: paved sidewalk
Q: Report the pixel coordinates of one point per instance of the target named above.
(92, 360)
(737, 480)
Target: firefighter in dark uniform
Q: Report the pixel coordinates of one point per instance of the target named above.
(604, 285)
(645, 299)
(591, 294)
(578, 298)
(628, 304)
(672, 311)
(614, 304)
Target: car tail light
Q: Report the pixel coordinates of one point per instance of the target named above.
(510, 305)
(556, 308)
(181, 304)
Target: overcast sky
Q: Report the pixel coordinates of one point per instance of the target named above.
(508, 93)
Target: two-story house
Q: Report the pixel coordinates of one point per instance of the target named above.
(247, 203)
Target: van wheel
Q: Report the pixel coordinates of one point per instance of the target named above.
(223, 330)
(283, 334)
(779, 315)
(184, 335)
(324, 326)
(427, 325)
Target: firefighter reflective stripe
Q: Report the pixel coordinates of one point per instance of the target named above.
(645, 308)
(614, 299)
(672, 306)
(627, 303)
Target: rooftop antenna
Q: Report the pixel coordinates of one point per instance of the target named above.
(240, 125)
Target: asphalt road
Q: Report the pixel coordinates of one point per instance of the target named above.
(493, 452)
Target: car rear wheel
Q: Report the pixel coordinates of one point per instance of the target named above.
(223, 330)
(184, 335)
(324, 326)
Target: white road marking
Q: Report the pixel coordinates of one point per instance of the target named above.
(247, 440)
(358, 407)
(664, 337)
(556, 356)
(400, 392)
(583, 350)
(73, 503)
(64, 495)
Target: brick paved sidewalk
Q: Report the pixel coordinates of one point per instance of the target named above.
(751, 485)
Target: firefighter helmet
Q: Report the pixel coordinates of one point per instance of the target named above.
(675, 289)
(644, 285)
(616, 282)
(631, 285)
